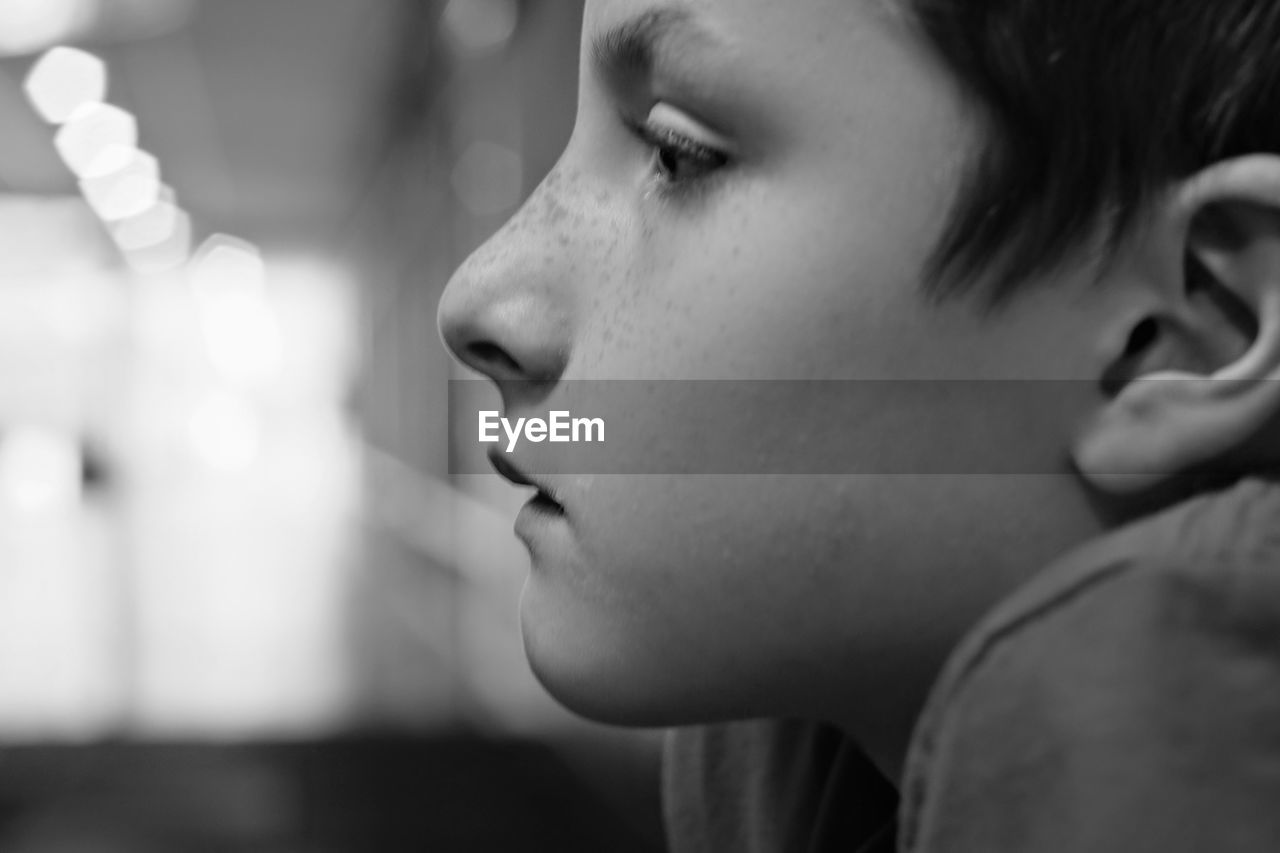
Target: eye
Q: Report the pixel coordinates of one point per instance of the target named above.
(683, 152)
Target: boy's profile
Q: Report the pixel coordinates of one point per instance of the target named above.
(1082, 192)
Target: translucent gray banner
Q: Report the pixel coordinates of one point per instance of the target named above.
(942, 427)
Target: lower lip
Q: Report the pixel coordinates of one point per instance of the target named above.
(538, 513)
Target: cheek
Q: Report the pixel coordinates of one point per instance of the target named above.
(693, 598)
(756, 290)
(695, 590)
(712, 559)
(684, 598)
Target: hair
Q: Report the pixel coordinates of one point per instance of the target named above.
(1092, 108)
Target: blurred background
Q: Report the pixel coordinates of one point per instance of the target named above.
(243, 605)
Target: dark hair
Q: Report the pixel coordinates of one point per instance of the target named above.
(1092, 108)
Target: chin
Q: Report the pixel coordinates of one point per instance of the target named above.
(588, 683)
(595, 679)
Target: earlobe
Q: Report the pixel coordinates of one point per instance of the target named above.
(1187, 413)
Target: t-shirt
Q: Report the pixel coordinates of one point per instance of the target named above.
(1126, 698)
(767, 786)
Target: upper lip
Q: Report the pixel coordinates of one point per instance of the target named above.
(508, 471)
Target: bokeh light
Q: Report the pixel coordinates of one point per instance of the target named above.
(241, 333)
(165, 256)
(30, 25)
(97, 139)
(154, 226)
(40, 470)
(480, 26)
(126, 192)
(225, 433)
(64, 81)
(226, 264)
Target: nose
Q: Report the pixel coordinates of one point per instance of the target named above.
(506, 312)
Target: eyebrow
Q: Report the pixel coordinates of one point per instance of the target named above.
(632, 46)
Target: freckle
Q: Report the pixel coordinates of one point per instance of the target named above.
(556, 212)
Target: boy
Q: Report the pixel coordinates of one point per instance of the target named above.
(1081, 195)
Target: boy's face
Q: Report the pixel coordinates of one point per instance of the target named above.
(806, 156)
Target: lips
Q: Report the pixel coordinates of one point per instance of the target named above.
(544, 499)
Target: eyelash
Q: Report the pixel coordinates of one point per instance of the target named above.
(670, 151)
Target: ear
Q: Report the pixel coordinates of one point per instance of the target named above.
(1195, 390)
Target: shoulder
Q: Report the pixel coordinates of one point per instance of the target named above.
(1130, 691)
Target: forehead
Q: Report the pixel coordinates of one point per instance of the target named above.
(833, 56)
(814, 26)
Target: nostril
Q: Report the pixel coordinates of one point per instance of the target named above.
(491, 358)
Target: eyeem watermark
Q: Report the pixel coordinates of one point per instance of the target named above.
(562, 428)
